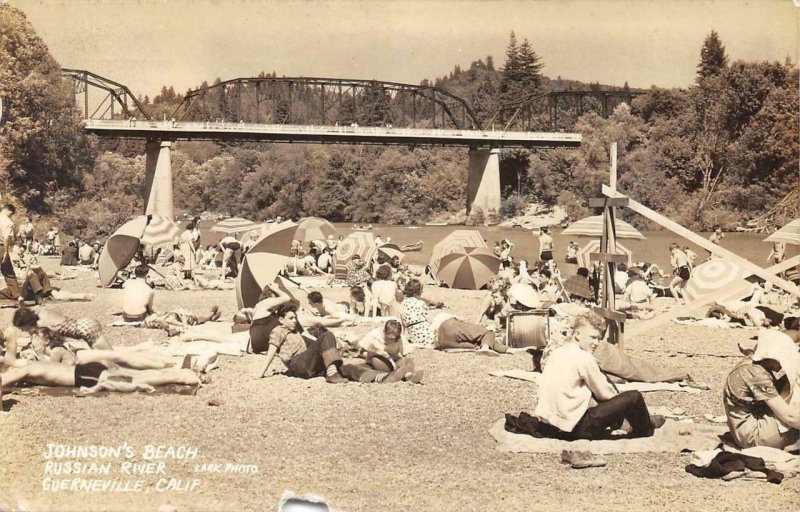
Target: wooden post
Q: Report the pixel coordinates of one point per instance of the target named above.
(705, 244)
(613, 181)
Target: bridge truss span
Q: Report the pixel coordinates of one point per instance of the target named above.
(327, 101)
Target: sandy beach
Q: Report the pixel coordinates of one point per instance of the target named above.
(360, 446)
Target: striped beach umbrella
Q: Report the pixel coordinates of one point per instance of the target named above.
(389, 251)
(314, 228)
(235, 225)
(788, 234)
(358, 242)
(454, 242)
(279, 238)
(712, 276)
(593, 226)
(160, 230)
(124, 243)
(469, 269)
(594, 246)
(259, 268)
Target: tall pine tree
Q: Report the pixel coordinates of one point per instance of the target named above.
(511, 71)
(712, 57)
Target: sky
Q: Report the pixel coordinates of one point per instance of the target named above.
(145, 44)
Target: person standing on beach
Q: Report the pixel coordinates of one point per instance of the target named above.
(12, 290)
(715, 238)
(681, 271)
(545, 245)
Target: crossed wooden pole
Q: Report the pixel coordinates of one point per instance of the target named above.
(607, 309)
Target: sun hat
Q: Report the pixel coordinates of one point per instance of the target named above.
(525, 295)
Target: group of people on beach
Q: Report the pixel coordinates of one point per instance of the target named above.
(576, 400)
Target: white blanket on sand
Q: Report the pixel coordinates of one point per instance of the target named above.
(672, 437)
(642, 387)
(716, 323)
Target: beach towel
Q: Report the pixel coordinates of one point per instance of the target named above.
(169, 389)
(614, 361)
(715, 323)
(121, 322)
(673, 437)
(642, 387)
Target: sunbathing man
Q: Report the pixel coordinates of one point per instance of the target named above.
(327, 309)
(96, 376)
(757, 412)
(745, 313)
(572, 378)
(308, 358)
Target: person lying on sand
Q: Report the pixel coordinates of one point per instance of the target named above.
(29, 321)
(332, 310)
(756, 399)
(96, 376)
(308, 358)
(569, 382)
(452, 332)
(745, 313)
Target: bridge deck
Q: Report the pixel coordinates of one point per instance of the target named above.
(169, 130)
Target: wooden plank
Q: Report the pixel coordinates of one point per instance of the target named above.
(608, 257)
(602, 202)
(613, 177)
(729, 292)
(706, 244)
(610, 314)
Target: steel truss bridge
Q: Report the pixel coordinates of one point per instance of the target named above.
(327, 110)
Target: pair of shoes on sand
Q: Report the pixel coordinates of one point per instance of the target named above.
(582, 460)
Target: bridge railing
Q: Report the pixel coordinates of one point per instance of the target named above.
(214, 126)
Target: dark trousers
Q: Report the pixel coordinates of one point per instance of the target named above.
(597, 421)
(12, 290)
(319, 354)
(36, 285)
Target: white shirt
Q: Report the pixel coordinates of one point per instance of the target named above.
(374, 342)
(566, 385)
(620, 279)
(137, 297)
(638, 292)
(6, 228)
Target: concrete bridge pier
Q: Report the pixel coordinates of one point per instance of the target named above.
(483, 180)
(157, 191)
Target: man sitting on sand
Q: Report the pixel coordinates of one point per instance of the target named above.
(757, 412)
(572, 378)
(308, 358)
(137, 296)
